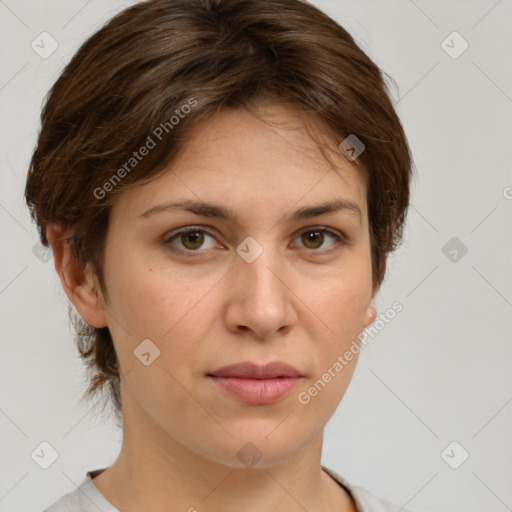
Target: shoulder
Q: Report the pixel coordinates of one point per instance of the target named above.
(85, 498)
(70, 501)
(364, 499)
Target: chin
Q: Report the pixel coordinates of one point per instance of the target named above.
(253, 449)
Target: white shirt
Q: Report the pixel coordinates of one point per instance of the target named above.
(87, 498)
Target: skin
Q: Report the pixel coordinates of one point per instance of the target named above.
(209, 309)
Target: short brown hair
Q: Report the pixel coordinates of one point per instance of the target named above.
(140, 70)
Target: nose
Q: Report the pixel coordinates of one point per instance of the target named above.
(260, 297)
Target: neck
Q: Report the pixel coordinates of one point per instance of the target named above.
(153, 468)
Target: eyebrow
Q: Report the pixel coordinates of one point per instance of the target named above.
(205, 209)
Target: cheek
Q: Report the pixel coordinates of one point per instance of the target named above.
(342, 307)
(141, 300)
(158, 303)
(341, 301)
(145, 297)
(155, 304)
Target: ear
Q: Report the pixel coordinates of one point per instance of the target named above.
(371, 312)
(77, 279)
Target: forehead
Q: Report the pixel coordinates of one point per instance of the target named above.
(235, 158)
(279, 131)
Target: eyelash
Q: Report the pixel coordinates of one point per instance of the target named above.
(340, 239)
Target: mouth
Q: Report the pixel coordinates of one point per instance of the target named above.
(255, 384)
(248, 370)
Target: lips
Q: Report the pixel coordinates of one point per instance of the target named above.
(254, 384)
(253, 371)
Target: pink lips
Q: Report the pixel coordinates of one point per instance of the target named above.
(258, 385)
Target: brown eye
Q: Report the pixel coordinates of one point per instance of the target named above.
(312, 239)
(318, 238)
(192, 240)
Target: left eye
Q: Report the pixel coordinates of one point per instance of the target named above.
(314, 238)
(191, 239)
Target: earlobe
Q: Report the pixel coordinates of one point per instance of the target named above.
(371, 313)
(76, 278)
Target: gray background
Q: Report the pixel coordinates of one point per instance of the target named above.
(438, 373)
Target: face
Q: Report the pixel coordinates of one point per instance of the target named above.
(297, 291)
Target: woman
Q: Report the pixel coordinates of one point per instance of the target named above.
(221, 182)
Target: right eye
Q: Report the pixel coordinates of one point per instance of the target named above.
(191, 239)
